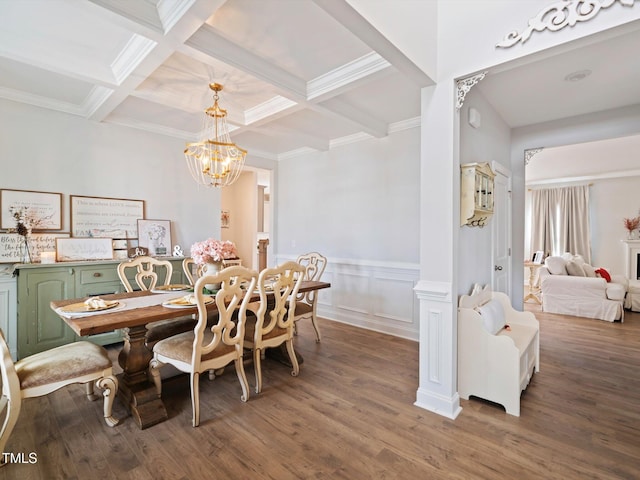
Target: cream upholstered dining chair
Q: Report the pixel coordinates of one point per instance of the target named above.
(147, 273)
(272, 322)
(314, 265)
(48, 371)
(210, 347)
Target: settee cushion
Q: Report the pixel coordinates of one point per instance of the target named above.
(556, 265)
(575, 269)
(493, 318)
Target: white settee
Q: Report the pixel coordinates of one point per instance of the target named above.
(570, 286)
(498, 348)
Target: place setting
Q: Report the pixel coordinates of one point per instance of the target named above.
(186, 301)
(91, 305)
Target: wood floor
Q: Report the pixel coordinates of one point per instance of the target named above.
(350, 415)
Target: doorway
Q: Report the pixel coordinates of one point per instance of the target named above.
(247, 212)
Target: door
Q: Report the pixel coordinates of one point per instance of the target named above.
(501, 231)
(39, 327)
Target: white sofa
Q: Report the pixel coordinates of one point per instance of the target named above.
(498, 348)
(569, 286)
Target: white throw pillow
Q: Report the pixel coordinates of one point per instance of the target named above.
(575, 269)
(492, 315)
(589, 270)
(556, 265)
(579, 259)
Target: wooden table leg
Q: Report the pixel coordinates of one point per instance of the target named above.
(135, 389)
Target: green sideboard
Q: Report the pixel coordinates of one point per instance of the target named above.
(39, 327)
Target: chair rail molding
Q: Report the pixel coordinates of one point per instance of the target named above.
(437, 390)
(371, 294)
(559, 15)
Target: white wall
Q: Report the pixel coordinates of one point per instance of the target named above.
(49, 151)
(356, 204)
(488, 143)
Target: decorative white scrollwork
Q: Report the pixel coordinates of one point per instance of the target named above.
(558, 16)
(529, 153)
(464, 85)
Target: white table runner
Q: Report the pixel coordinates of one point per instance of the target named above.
(129, 304)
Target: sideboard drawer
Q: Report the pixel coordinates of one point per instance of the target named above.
(98, 275)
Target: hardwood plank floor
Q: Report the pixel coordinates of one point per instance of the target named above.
(350, 415)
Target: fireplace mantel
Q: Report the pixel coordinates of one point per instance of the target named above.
(632, 251)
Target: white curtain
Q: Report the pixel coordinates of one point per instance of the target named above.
(560, 221)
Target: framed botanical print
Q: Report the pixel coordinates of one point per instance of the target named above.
(155, 235)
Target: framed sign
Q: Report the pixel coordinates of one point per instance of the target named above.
(74, 249)
(39, 210)
(155, 235)
(12, 246)
(105, 217)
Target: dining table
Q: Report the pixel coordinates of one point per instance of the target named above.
(133, 312)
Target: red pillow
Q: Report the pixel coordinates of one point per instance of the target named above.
(604, 274)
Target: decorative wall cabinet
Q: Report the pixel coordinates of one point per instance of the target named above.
(39, 327)
(476, 194)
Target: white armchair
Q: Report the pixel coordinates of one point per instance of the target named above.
(569, 286)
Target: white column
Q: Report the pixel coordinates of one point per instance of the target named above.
(439, 217)
(438, 340)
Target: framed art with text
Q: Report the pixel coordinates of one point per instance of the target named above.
(105, 217)
(37, 210)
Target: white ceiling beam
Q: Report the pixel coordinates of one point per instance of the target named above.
(368, 124)
(147, 62)
(214, 44)
(346, 15)
(209, 42)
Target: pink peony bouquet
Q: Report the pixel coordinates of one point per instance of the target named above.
(212, 250)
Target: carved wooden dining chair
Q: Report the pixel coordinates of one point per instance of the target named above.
(314, 265)
(192, 270)
(48, 371)
(210, 347)
(148, 272)
(272, 323)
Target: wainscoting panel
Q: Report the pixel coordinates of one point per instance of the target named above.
(370, 294)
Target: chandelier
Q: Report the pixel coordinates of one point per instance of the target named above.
(215, 161)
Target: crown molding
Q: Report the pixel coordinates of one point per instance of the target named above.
(134, 52)
(266, 109)
(150, 127)
(346, 74)
(43, 102)
(405, 124)
(97, 96)
(585, 178)
(171, 11)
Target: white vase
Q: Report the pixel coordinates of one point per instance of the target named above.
(212, 269)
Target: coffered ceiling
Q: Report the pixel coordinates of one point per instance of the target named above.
(298, 75)
(295, 78)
